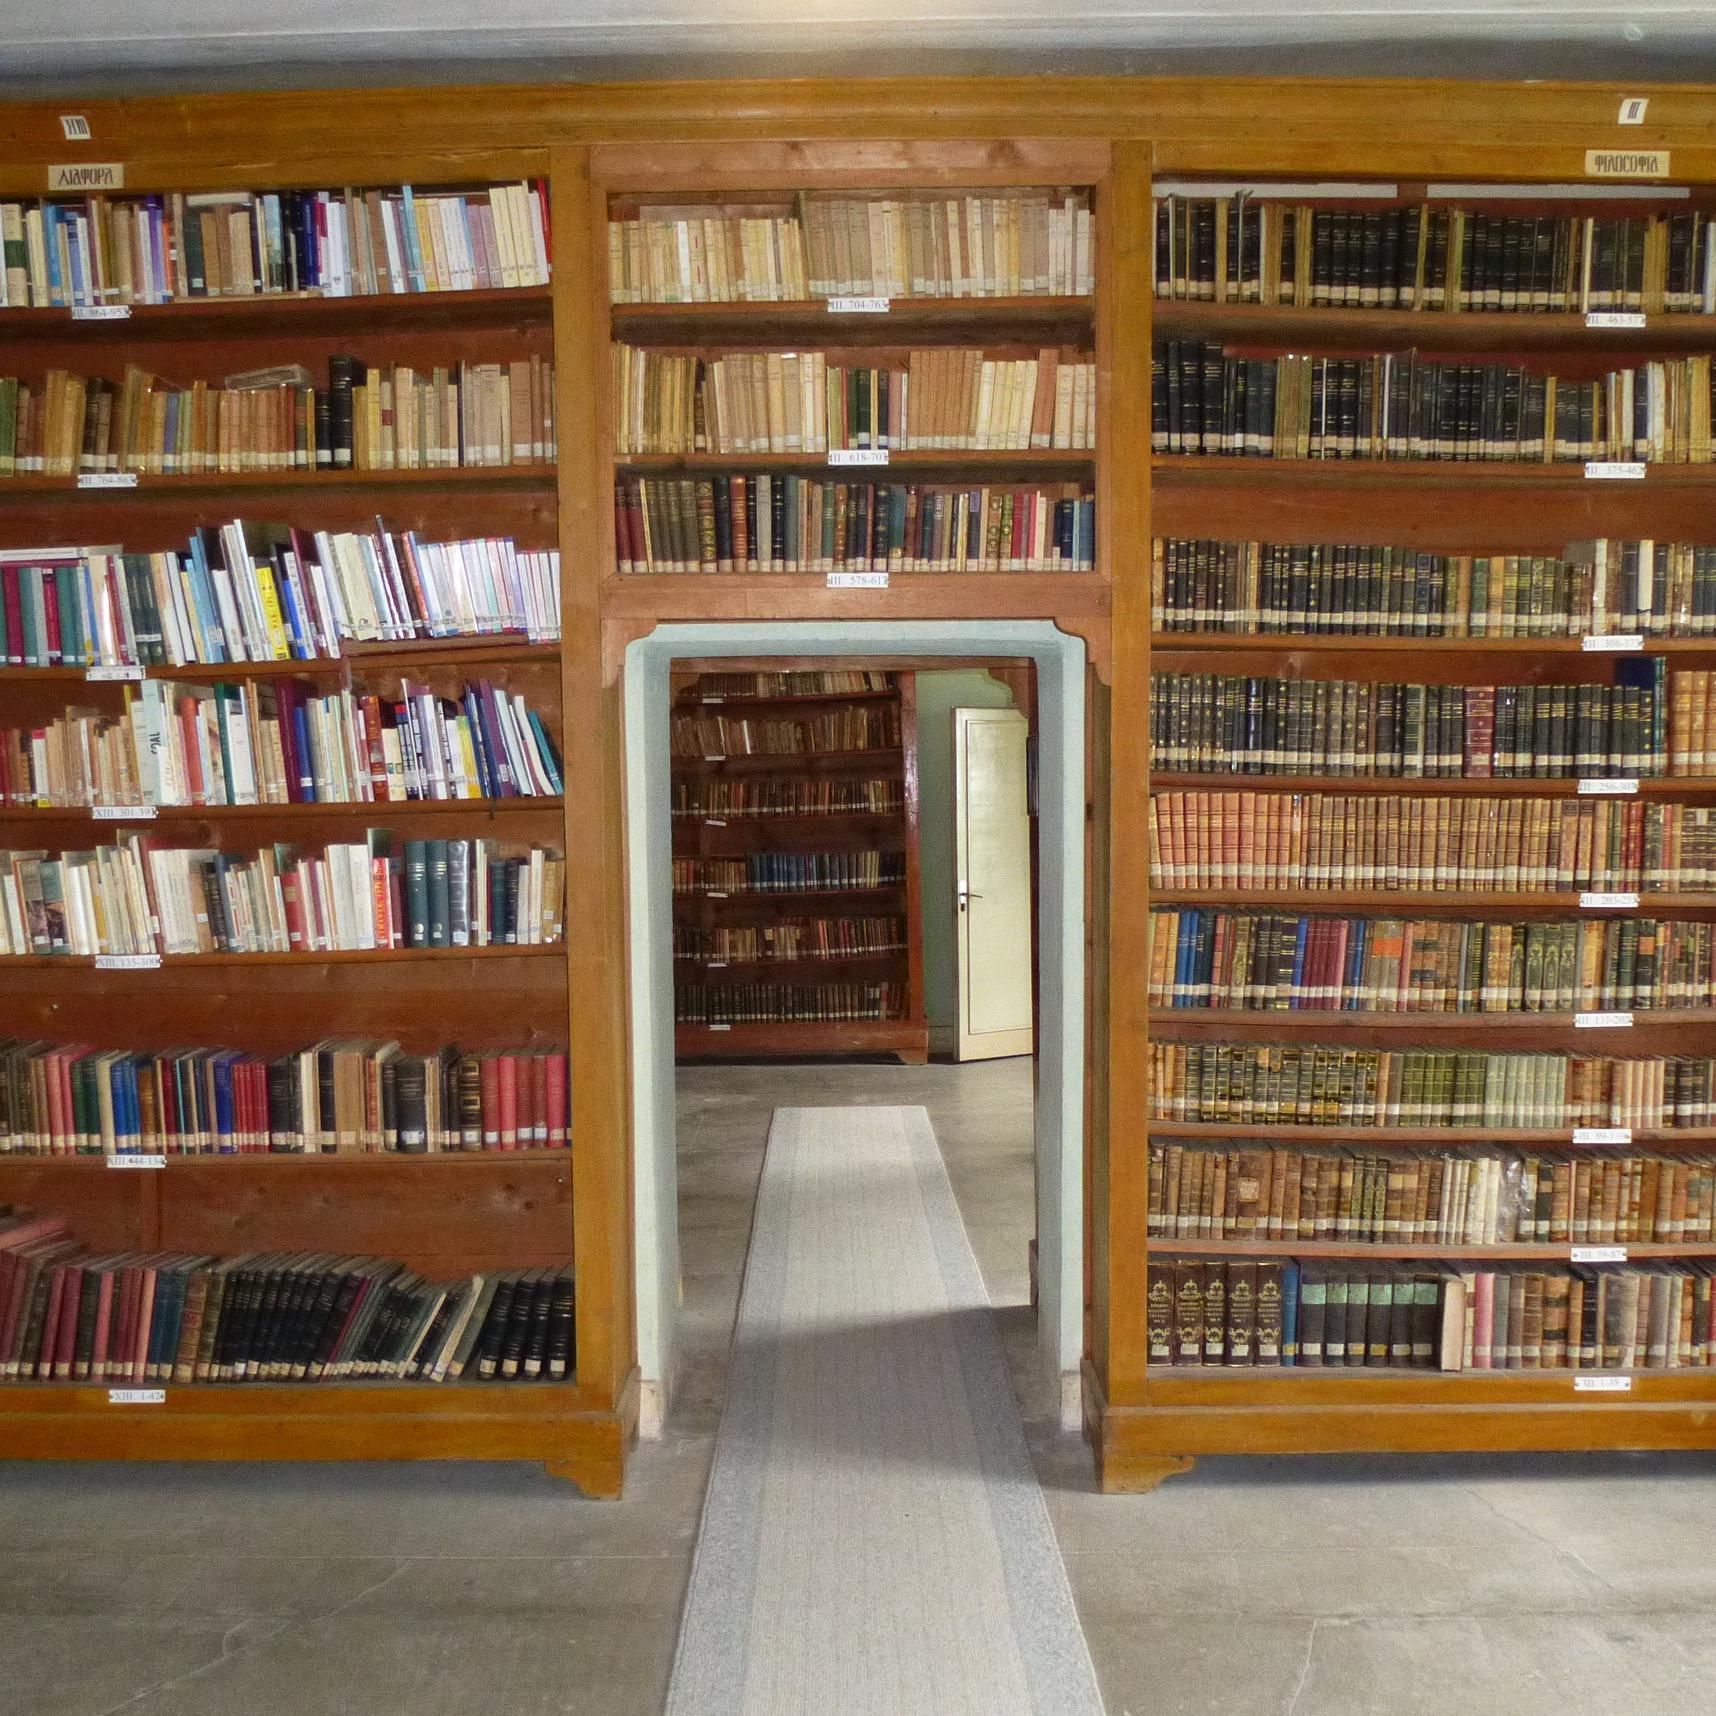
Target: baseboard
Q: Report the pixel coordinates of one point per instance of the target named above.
(943, 1039)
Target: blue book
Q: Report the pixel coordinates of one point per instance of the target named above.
(1302, 935)
(1290, 1313)
(306, 769)
(52, 216)
(203, 597)
(545, 750)
(413, 255)
(1180, 996)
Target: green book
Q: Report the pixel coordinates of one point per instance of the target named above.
(417, 892)
(440, 900)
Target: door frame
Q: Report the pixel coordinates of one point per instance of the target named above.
(1060, 662)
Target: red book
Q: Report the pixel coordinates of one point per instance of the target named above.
(103, 1322)
(189, 732)
(122, 1325)
(555, 1101)
(538, 1065)
(50, 1338)
(489, 1072)
(507, 1090)
(14, 615)
(139, 1365)
(71, 1297)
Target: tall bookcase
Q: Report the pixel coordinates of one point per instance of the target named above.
(863, 934)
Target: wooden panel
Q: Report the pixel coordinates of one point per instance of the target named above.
(108, 1210)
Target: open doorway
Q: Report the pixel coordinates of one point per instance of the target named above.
(1035, 660)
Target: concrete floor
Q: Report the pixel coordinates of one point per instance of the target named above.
(1351, 1587)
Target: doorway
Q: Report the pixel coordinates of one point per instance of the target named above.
(1059, 662)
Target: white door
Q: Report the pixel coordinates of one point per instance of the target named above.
(992, 858)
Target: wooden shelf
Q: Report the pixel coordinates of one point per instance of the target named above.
(409, 657)
(478, 477)
(1399, 1384)
(1462, 786)
(834, 969)
(789, 700)
(1410, 1137)
(1408, 476)
(1391, 1250)
(804, 1037)
(1037, 318)
(345, 956)
(392, 810)
(883, 761)
(869, 902)
(1338, 327)
(1490, 902)
(871, 831)
(996, 463)
(1322, 643)
(235, 1161)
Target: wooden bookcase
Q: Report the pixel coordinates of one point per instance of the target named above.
(602, 147)
(890, 832)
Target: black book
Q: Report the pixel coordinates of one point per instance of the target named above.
(493, 1336)
(561, 1321)
(519, 1314)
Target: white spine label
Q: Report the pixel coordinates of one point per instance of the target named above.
(137, 1397)
(1602, 1135)
(1612, 643)
(858, 306)
(1614, 318)
(123, 812)
(130, 675)
(107, 479)
(857, 580)
(1618, 787)
(858, 455)
(128, 962)
(1599, 1254)
(1609, 902)
(1612, 470)
(1603, 1021)
(1602, 1385)
(101, 312)
(136, 1161)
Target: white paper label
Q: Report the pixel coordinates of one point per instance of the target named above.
(123, 812)
(107, 479)
(129, 675)
(1626, 163)
(1600, 470)
(1608, 902)
(1613, 643)
(87, 176)
(857, 580)
(1633, 110)
(128, 962)
(1602, 1385)
(1603, 1021)
(137, 1397)
(712, 700)
(1599, 1254)
(1602, 1135)
(858, 306)
(136, 1161)
(858, 455)
(1617, 786)
(717, 758)
(716, 965)
(101, 312)
(74, 127)
(714, 822)
(720, 1027)
(714, 896)
(1614, 318)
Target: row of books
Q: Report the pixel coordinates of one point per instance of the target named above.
(1647, 723)
(1477, 1196)
(975, 244)
(773, 685)
(793, 939)
(1257, 961)
(70, 1314)
(851, 727)
(788, 1003)
(143, 896)
(1523, 1317)
(280, 742)
(340, 1095)
(1403, 405)
(1308, 1084)
(368, 419)
(245, 592)
(1606, 587)
(788, 873)
(1262, 840)
(720, 797)
(165, 248)
(669, 403)
(785, 523)
(1244, 249)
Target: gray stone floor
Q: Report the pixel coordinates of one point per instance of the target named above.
(1491, 1587)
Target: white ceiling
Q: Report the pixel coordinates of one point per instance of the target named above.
(54, 39)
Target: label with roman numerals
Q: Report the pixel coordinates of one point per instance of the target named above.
(101, 312)
(1612, 643)
(1603, 1021)
(857, 580)
(1626, 163)
(716, 965)
(123, 812)
(858, 455)
(858, 306)
(1602, 1385)
(107, 479)
(718, 757)
(130, 675)
(1600, 470)
(136, 1161)
(128, 962)
(1608, 787)
(720, 1027)
(1614, 318)
(1598, 1254)
(1602, 1135)
(712, 895)
(714, 822)
(1609, 902)
(137, 1397)
(711, 699)
(1633, 110)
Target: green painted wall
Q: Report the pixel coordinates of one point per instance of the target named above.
(940, 692)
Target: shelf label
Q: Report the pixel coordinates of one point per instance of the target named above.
(1626, 163)
(1633, 110)
(858, 306)
(857, 580)
(1602, 1385)
(1602, 1135)
(1608, 902)
(87, 176)
(711, 699)
(101, 312)
(713, 895)
(128, 962)
(123, 812)
(715, 965)
(1614, 469)
(714, 822)
(1608, 787)
(107, 479)
(858, 455)
(1614, 318)
(137, 1397)
(1612, 643)
(1603, 1021)
(74, 127)
(1599, 1254)
(718, 757)
(720, 1027)
(136, 1161)
(127, 674)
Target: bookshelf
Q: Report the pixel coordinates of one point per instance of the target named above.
(800, 865)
